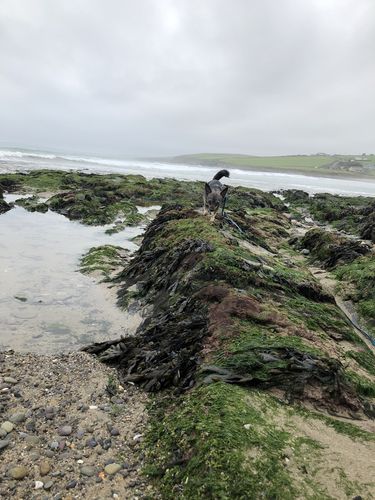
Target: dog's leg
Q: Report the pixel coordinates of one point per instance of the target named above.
(204, 206)
(213, 215)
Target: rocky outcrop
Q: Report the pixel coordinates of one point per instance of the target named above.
(331, 249)
(4, 206)
(207, 296)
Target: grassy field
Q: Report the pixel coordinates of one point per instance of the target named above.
(349, 165)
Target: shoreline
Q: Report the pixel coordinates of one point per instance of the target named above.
(275, 170)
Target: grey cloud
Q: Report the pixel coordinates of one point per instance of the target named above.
(159, 77)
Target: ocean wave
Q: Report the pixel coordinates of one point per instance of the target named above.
(23, 154)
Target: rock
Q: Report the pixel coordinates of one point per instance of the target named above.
(48, 485)
(3, 433)
(106, 444)
(115, 431)
(18, 472)
(91, 443)
(44, 468)
(18, 417)
(72, 484)
(112, 469)
(88, 470)
(305, 251)
(39, 485)
(32, 440)
(65, 430)
(7, 426)
(30, 426)
(80, 433)
(4, 443)
(54, 445)
(10, 380)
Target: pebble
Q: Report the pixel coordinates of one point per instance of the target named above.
(18, 472)
(87, 470)
(91, 443)
(4, 443)
(80, 433)
(30, 426)
(7, 426)
(3, 433)
(93, 407)
(115, 432)
(54, 445)
(71, 484)
(44, 468)
(106, 444)
(48, 485)
(18, 417)
(38, 485)
(112, 468)
(10, 380)
(32, 440)
(65, 430)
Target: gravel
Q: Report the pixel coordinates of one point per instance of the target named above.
(59, 433)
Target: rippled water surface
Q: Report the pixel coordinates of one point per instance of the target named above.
(63, 310)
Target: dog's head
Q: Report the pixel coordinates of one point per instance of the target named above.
(214, 198)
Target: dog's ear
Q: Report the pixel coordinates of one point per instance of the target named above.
(224, 191)
(207, 188)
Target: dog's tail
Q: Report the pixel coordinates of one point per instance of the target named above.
(222, 173)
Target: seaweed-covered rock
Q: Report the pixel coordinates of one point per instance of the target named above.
(332, 249)
(4, 206)
(32, 204)
(212, 308)
(367, 230)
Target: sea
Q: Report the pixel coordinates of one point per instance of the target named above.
(12, 160)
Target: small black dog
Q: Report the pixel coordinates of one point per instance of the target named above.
(214, 194)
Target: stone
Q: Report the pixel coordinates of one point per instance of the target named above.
(112, 469)
(44, 468)
(32, 440)
(106, 444)
(91, 443)
(54, 445)
(3, 433)
(48, 485)
(18, 417)
(18, 472)
(115, 432)
(88, 470)
(4, 443)
(80, 433)
(7, 426)
(10, 380)
(65, 430)
(39, 485)
(72, 484)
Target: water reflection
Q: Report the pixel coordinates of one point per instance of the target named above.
(45, 304)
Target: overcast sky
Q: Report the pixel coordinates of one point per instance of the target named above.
(163, 77)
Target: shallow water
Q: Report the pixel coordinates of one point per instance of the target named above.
(64, 310)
